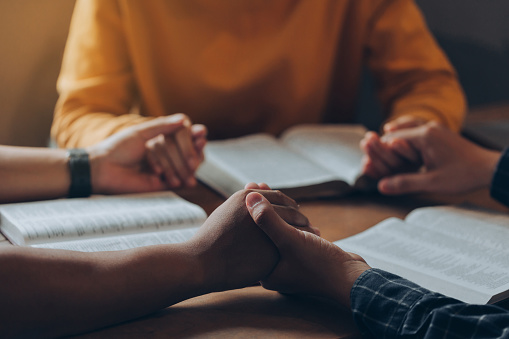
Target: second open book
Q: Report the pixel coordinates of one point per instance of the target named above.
(102, 223)
(306, 161)
(457, 251)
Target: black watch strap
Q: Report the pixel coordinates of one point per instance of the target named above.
(79, 169)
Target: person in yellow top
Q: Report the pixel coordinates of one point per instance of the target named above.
(240, 67)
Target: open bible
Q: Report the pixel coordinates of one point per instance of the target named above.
(457, 251)
(306, 161)
(102, 223)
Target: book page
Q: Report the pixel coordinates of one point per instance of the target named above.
(473, 226)
(66, 219)
(435, 260)
(118, 243)
(333, 147)
(261, 158)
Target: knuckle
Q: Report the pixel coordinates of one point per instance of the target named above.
(246, 191)
(261, 215)
(242, 194)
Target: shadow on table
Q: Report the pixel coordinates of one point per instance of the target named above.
(252, 312)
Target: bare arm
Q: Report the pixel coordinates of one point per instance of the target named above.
(55, 292)
(32, 173)
(118, 164)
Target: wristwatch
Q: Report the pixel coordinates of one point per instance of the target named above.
(79, 170)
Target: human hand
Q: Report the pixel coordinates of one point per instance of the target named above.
(118, 164)
(176, 156)
(451, 164)
(381, 159)
(307, 263)
(232, 250)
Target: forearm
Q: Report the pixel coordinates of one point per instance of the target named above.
(55, 293)
(32, 173)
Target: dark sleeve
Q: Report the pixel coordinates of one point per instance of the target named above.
(387, 306)
(500, 183)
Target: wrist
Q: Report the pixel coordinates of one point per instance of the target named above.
(487, 166)
(199, 279)
(345, 280)
(79, 173)
(96, 159)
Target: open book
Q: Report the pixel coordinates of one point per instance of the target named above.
(457, 251)
(306, 161)
(102, 223)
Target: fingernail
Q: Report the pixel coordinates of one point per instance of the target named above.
(316, 229)
(253, 199)
(176, 118)
(385, 185)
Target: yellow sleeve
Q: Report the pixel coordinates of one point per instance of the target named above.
(413, 75)
(96, 83)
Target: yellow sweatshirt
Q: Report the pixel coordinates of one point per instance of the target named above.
(246, 66)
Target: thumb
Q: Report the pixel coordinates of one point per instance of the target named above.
(268, 220)
(407, 183)
(162, 125)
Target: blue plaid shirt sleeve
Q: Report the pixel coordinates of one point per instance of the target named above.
(387, 306)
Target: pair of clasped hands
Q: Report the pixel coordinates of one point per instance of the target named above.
(175, 154)
(411, 156)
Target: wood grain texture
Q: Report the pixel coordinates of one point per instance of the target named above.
(248, 313)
